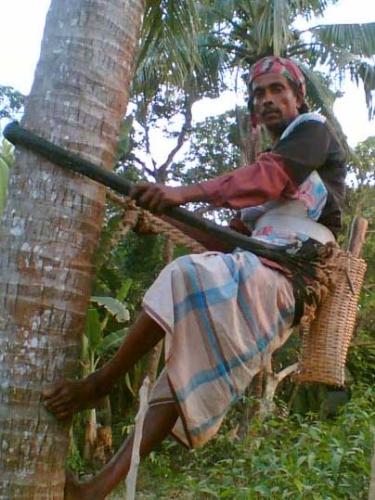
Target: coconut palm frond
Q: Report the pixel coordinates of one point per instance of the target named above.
(281, 20)
(321, 99)
(307, 8)
(366, 72)
(271, 26)
(210, 74)
(358, 39)
(169, 47)
(221, 9)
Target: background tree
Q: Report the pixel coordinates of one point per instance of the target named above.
(250, 30)
(11, 102)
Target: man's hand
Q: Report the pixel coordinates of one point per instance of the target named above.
(158, 197)
(237, 225)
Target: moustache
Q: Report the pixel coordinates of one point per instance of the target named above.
(270, 110)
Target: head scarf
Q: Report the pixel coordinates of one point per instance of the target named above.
(278, 65)
(281, 66)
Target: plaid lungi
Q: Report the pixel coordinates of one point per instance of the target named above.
(224, 315)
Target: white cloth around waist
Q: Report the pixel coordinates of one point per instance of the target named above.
(285, 225)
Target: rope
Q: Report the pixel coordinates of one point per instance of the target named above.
(145, 221)
(176, 236)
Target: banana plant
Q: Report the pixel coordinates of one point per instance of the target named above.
(6, 161)
(96, 346)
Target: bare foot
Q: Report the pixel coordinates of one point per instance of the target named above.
(67, 397)
(74, 490)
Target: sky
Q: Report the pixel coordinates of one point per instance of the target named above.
(22, 23)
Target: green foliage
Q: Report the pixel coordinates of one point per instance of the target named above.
(93, 330)
(141, 259)
(347, 46)
(74, 461)
(361, 360)
(114, 307)
(112, 341)
(6, 161)
(11, 102)
(295, 458)
(169, 41)
(125, 144)
(96, 344)
(4, 177)
(212, 150)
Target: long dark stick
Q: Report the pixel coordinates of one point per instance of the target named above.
(63, 158)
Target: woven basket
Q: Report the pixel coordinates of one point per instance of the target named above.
(326, 340)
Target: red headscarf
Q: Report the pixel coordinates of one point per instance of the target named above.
(281, 66)
(278, 65)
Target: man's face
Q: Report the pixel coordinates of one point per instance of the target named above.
(275, 103)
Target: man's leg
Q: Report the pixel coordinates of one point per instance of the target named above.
(158, 423)
(69, 396)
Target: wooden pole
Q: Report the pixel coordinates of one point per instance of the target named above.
(357, 236)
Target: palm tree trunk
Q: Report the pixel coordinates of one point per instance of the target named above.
(51, 227)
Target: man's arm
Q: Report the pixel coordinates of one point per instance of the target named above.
(266, 179)
(157, 197)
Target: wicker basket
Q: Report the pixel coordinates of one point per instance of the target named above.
(326, 340)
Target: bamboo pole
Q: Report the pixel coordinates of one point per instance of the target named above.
(131, 479)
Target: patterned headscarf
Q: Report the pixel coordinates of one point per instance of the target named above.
(278, 65)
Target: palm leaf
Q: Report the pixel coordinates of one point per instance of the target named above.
(366, 72)
(4, 177)
(358, 39)
(93, 330)
(7, 152)
(307, 8)
(322, 99)
(113, 340)
(116, 308)
(344, 47)
(281, 18)
(169, 41)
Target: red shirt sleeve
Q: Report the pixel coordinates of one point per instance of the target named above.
(266, 179)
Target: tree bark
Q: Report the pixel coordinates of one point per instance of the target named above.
(51, 227)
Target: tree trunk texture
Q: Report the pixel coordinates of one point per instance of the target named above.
(51, 227)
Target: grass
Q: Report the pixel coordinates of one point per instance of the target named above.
(281, 458)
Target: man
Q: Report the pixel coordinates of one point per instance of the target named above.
(224, 314)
